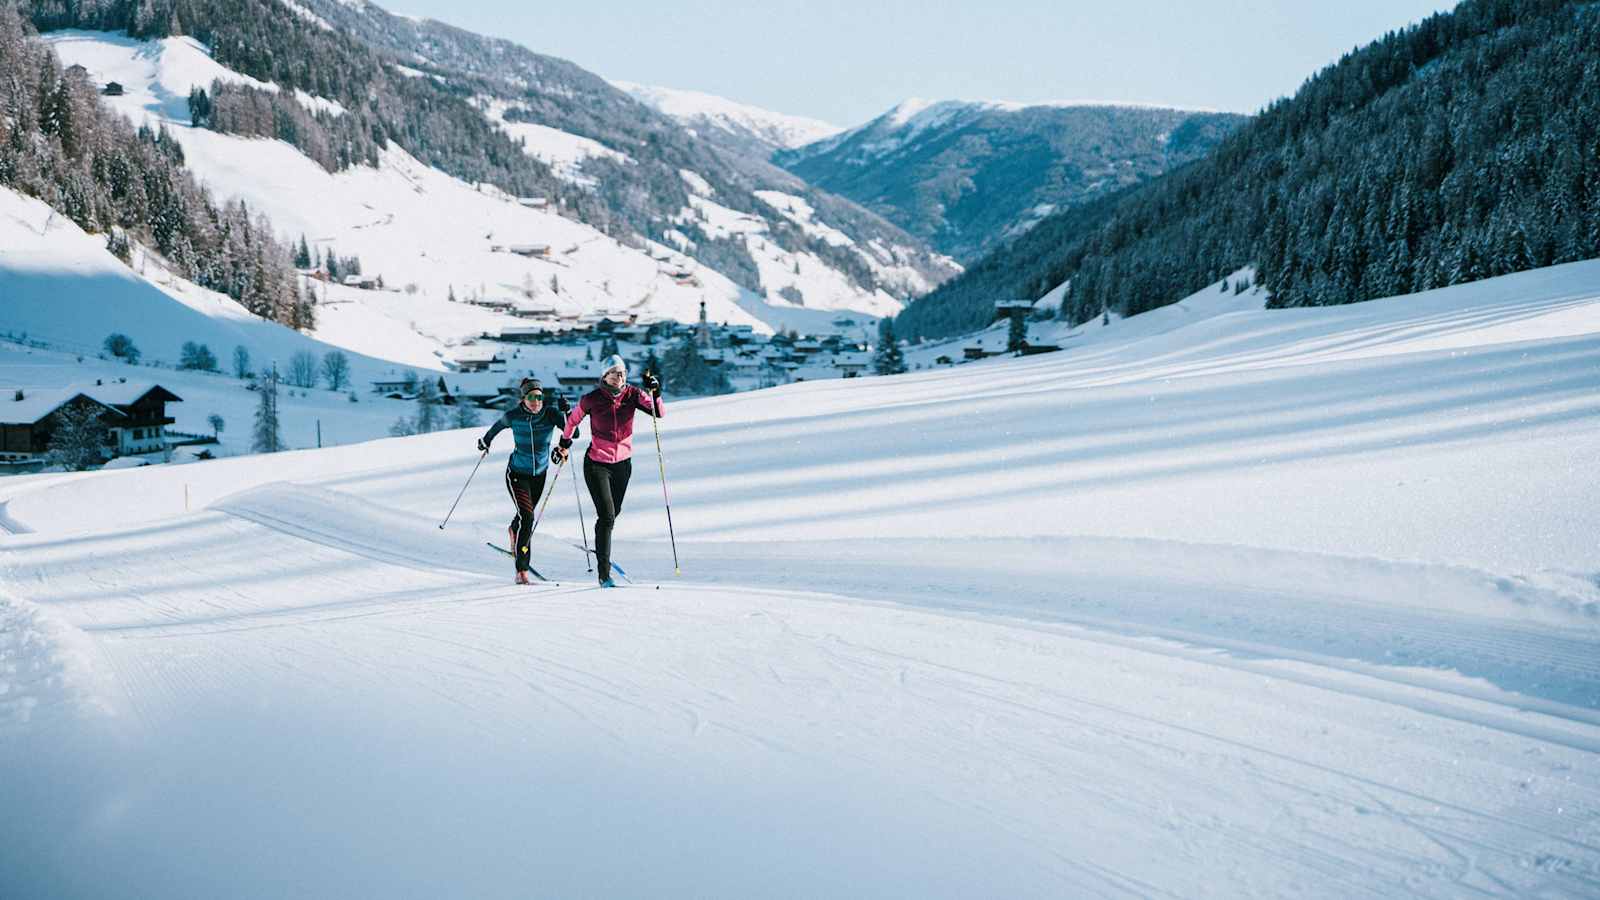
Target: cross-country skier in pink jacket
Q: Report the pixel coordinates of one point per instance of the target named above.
(609, 463)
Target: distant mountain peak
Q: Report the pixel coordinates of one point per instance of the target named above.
(743, 122)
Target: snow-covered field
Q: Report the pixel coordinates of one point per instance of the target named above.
(1270, 603)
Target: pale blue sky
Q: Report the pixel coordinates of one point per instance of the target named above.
(846, 62)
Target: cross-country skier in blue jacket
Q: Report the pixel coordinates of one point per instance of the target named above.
(532, 423)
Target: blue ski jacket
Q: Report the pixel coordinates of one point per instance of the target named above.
(531, 432)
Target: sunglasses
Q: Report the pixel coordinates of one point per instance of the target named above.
(535, 396)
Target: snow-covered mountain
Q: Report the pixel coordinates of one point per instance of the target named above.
(431, 236)
(1260, 603)
(967, 176)
(738, 126)
(635, 155)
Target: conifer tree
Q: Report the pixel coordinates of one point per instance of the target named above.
(889, 359)
(268, 437)
(79, 439)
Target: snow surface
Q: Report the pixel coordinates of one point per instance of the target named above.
(562, 151)
(698, 109)
(1266, 603)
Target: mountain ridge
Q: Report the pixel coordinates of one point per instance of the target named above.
(967, 175)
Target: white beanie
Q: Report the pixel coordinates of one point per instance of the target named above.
(614, 361)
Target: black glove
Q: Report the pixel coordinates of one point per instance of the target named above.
(564, 405)
(482, 446)
(558, 455)
(566, 442)
(653, 384)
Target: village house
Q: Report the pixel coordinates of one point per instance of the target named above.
(134, 414)
(851, 365)
(537, 251)
(364, 282)
(537, 311)
(393, 387)
(476, 359)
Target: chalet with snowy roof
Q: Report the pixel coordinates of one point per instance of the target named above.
(1005, 308)
(112, 89)
(144, 409)
(364, 282)
(534, 202)
(523, 334)
(851, 365)
(1036, 349)
(536, 311)
(539, 251)
(392, 386)
(637, 334)
(476, 359)
(578, 383)
(134, 414)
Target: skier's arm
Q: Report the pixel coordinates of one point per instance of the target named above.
(559, 454)
(488, 436)
(650, 402)
(573, 418)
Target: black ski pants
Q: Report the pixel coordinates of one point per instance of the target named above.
(608, 484)
(524, 488)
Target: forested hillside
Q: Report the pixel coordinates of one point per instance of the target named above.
(969, 176)
(57, 143)
(1460, 148)
(424, 85)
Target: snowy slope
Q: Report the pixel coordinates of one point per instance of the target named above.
(709, 113)
(426, 233)
(1277, 602)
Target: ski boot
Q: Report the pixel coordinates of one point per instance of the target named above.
(522, 578)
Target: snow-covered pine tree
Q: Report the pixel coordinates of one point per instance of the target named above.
(268, 436)
(889, 359)
(79, 439)
(428, 414)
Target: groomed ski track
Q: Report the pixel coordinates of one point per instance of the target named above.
(1011, 732)
(888, 670)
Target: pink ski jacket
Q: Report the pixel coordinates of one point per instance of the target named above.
(611, 428)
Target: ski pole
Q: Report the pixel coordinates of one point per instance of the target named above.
(577, 497)
(661, 461)
(452, 511)
(552, 492)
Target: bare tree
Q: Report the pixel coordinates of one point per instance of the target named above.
(336, 370)
(241, 362)
(303, 369)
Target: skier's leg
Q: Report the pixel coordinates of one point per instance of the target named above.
(516, 518)
(520, 487)
(598, 477)
(529, 487)
(621, 474)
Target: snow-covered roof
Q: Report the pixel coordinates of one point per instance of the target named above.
(38, 403)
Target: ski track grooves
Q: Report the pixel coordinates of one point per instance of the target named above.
(1521, 715)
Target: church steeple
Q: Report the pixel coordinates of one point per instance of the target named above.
(702, 333)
